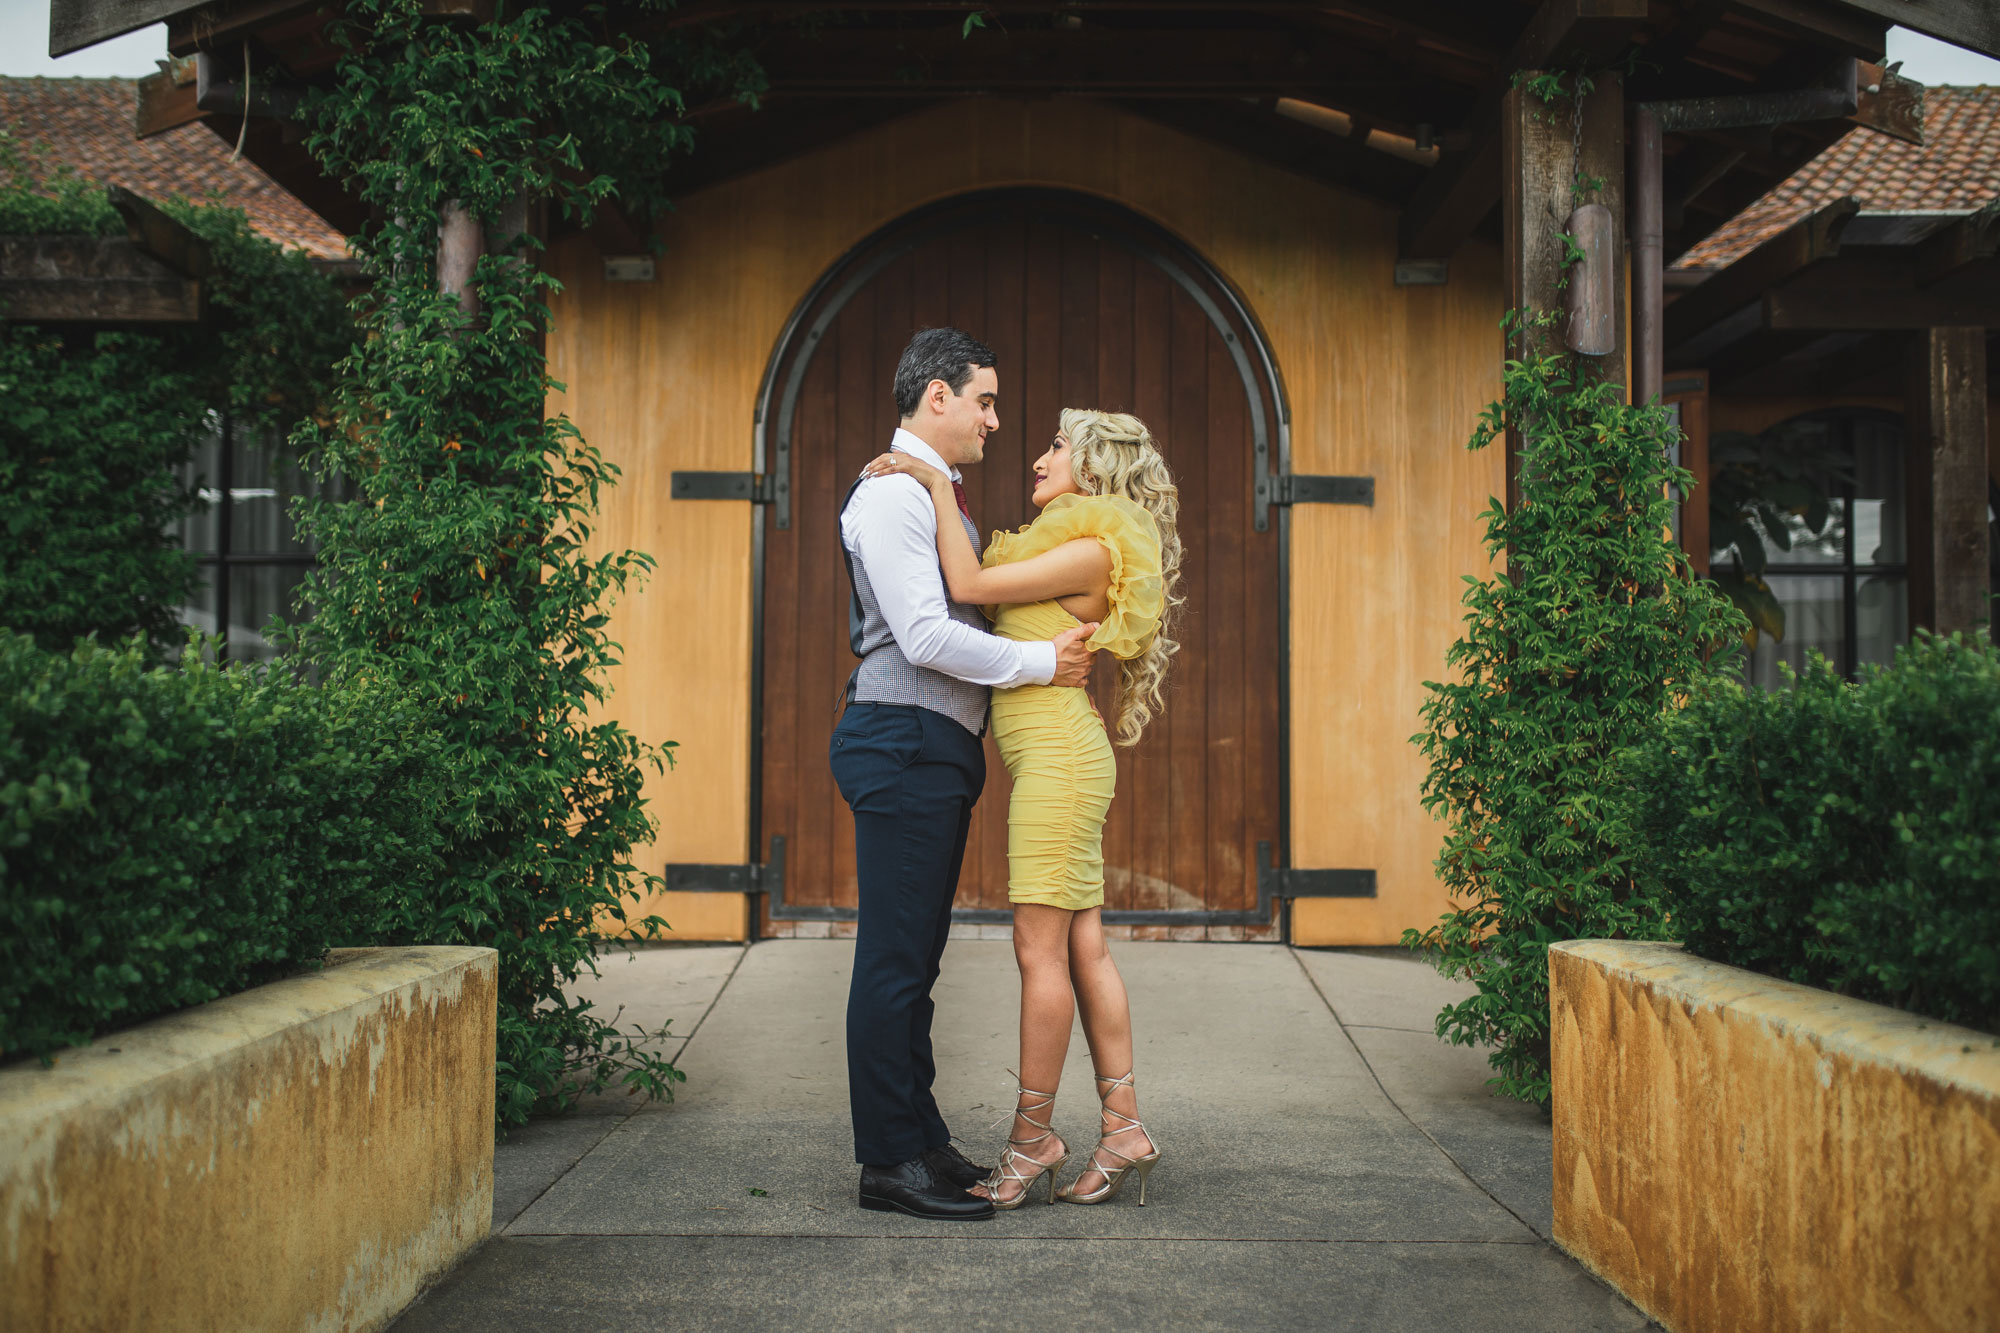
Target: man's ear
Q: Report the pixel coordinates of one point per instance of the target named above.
(936, 392)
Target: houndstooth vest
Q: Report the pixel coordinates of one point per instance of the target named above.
(885, 676)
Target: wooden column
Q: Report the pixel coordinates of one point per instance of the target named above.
(1539, 161)
(1944, 468)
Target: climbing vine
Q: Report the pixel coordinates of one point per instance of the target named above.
(464, 563)
(1595, 629)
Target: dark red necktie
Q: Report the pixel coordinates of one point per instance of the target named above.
(959, 491)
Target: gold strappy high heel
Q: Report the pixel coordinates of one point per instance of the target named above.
(1114, 1176)
(1012, 1154)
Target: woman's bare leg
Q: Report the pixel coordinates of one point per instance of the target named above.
(1041, 949)
(1107, 1026)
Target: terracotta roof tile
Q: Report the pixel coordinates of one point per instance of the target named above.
(1956, 169)
(87, 123)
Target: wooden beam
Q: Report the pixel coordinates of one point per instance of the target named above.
(1105, 62)
(287, 161)
(1256, 132)
(1867, 309)
(160, 236)
(1830, 366)
(92, 280)
(1461, 190)
(75, 24)
(1974, 24)
(1888, 103)
(1810, 240)
(167, 99)
(1964, 243)
(224, 24)
(1821, 23)
(1945, 481)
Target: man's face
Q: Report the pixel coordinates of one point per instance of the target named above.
(968, 416)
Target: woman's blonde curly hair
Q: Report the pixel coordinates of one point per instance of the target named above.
(1112, 453)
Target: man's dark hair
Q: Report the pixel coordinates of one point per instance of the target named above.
(937, 354)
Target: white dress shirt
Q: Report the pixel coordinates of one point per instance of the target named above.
(890, 527)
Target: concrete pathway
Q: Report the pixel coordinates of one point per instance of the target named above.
(1330, 1164)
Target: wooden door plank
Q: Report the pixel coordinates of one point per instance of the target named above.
(820, 862)
(1115, 318)
(1187, 446)
(1004, 242)
(1224, 645)
(1147, 797)
(965, 279)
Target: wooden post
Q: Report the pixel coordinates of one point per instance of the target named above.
(1944, 468)
(1648, 296)
(1539, 163)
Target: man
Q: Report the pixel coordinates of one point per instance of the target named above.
(908, 758)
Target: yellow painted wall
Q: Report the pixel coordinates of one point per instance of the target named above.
(1383, 380)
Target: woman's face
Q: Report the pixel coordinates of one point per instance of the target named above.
(1052, 474)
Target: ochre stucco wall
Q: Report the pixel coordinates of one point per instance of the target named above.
(305, 1155)
(1736, 1152)
(1385, 381)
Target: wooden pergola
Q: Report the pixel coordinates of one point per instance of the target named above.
(1416, 103)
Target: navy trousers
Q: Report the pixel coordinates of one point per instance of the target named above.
(911, 777)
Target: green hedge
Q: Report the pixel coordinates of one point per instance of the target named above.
(171, 835)
(1839, 835)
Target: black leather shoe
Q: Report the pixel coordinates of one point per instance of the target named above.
(914, 1189)
(948, 1163)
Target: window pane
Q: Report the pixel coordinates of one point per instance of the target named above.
(200, 611)
(1827, 547)
(199, 530)
(267, 477)
(256, 593)
(1881, 618)
(1878, 493)
(1813, 620)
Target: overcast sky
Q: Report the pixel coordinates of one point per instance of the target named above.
(24, 45)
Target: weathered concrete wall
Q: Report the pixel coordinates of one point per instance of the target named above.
(302, 1156)
(1735, 1152)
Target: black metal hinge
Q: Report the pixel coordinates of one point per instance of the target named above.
(766, 878)
(754, 487)
(1275, 882)
(759, 488)
(1306, 490)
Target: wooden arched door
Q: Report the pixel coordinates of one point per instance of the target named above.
(1084, 306)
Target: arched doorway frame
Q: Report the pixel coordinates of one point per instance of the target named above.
(1228, 313)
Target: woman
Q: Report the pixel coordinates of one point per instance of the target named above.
(1104, 549)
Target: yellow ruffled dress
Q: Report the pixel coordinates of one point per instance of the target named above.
(1051, 738)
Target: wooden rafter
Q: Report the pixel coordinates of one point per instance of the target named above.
(1969, 23)
(1810, 240)
(1970, 241)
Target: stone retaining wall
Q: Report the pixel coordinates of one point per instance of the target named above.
(305, 1155)
(1736, 1152)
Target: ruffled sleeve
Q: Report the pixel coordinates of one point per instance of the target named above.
(1137, 594)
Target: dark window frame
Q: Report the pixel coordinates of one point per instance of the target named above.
(225, 559)
(1840, 423)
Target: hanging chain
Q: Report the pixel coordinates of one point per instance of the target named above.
(1576, 141)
